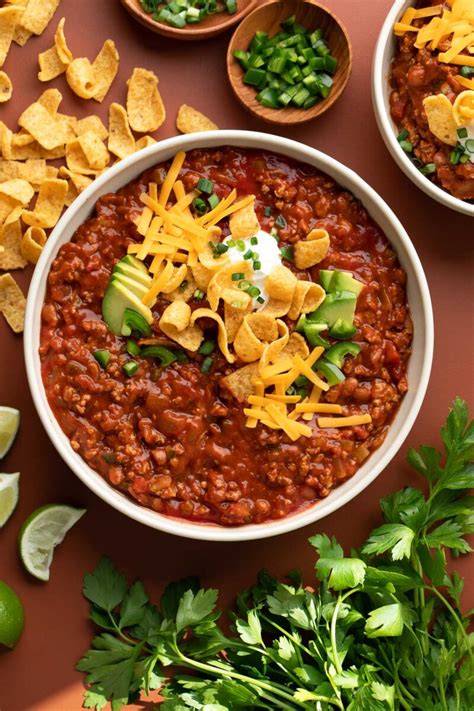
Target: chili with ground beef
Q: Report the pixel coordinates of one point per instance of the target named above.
(173, 438)
(416, 74)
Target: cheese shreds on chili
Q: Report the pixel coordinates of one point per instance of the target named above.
(456, 24)
(350, 421)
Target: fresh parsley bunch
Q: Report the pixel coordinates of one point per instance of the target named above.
(383, 630)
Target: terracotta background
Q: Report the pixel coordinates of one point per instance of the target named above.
(39, 675)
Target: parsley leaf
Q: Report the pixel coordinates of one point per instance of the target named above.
(397, 538)
(385, 621)
(105, 587)
(341, 572)
(195, 608)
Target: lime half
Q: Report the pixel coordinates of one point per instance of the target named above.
(8, 495)
(42, 531)
(12, 617)
(9, 423)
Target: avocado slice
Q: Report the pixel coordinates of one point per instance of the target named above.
(325, 278)
(134, 262)
(344, 281)
(117, 298)
(135, 287)
(337, 305)
(136, 274)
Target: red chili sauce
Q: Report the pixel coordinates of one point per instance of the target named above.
(174, 438)
(416, 74)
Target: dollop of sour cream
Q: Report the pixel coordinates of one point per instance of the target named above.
(266, 252)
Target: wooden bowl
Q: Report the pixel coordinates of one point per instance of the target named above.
(209, 27)
(268, 17)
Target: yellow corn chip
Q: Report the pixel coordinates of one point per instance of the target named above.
(94, 124)
(312, 250)
(50, 64)
(144, 142)
(190, 120)
(281, 283)
(256, 329)
(244, 223)
(221, 332)
(38, 14)
(80, 182)
(233, 318)
(10, 169)
(121, 140)
(240, 383)
(306, 298)
(145, 109)
(10, 240)
(97, 155)
(46, 130)
(18, 190)
(175, 323)
(9, 17)
(21, 36)
(64, 53)
(49, 205)
(76, 160)
(6, 88)
(32, 244)
(105, 68)
(12, 303)
(33, 170)
(81, 78)
(51, 99)
(441, 121)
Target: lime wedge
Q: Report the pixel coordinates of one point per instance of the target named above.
(12, 616)
(9, 423)
(42, 531)
(8, 495)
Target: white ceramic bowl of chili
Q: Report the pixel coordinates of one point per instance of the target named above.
(418, 297)
(384, 53)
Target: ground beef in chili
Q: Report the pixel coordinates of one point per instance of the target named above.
(173, 438)
(416, 74)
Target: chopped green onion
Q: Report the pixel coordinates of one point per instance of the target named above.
(207, 348)
(198, 295)
(406, 146)
(254, 240)
(130, 368)
(231, 6)
(199, 205)
(470, 145)
(237, 276)
(102, 357)
(248, 254)
(280, 221)
(462, 132)
(260, 299)
(287, 253)
(220, 248)
(254, 291)
(274, 233)
(466, 72)
(205, 186)
(240, 245)
(213, 201)
(267, 212)
(244, 284)
(257, 265)
(207, 364)
(403, 135)
(231, 242)
(428, 169)
(133, 348)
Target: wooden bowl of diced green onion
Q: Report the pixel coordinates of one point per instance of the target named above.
(189, 19)
(289, 61)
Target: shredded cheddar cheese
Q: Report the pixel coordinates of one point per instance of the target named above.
(455, 24)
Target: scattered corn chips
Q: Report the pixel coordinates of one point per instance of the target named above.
(12, 303)
(6, 88)
(191, 120)
(145, 108)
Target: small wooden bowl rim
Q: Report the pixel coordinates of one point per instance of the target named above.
(196, 32)
(280, 116)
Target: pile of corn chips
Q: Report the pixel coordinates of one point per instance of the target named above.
(54, 156)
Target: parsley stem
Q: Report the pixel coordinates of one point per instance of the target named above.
(273, 688)
(456, 617)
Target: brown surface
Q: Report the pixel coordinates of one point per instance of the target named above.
(210, 27)
(268, 18)
(39, 675)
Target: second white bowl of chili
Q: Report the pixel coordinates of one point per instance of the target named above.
(231, 495)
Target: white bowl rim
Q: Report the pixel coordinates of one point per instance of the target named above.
(387, 127)
(155, 154)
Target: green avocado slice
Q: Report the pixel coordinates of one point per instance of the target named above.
(117, 298)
